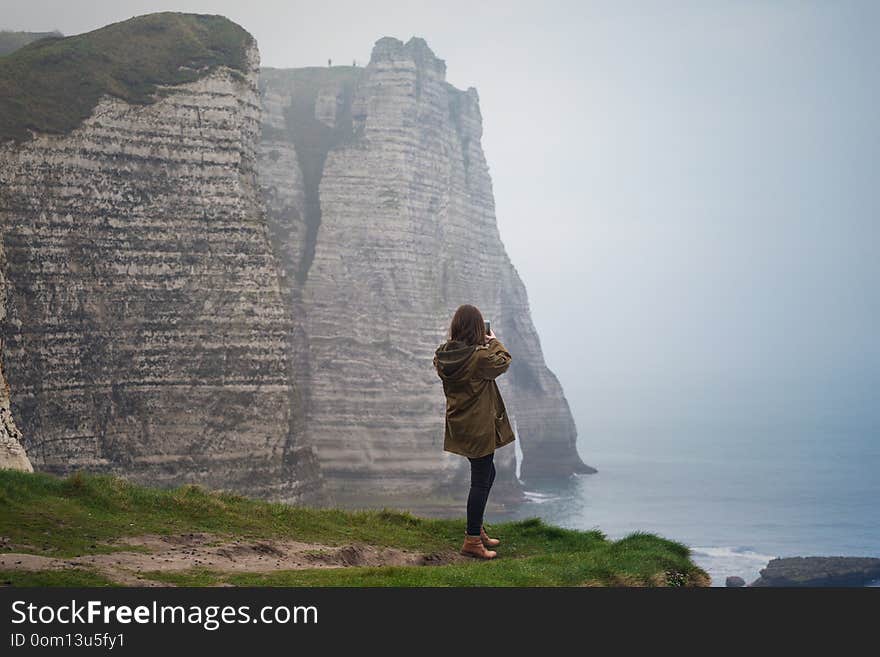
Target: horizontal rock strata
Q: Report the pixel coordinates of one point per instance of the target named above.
(242, 286)
(145, 331)
(380, 205)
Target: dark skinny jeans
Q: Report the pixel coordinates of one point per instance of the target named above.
(482, 476)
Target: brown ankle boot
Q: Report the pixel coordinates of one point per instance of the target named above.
(473, 547)
(488, 542)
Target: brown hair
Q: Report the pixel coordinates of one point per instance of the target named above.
(467, 325)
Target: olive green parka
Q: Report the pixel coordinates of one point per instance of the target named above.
(476, 418)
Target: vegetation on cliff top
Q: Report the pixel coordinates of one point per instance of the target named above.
(88, 515)
(10, 40)
(53, 84)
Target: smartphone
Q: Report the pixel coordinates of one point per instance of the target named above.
(487, 328)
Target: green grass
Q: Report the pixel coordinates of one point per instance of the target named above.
(82, 514)
(51, 85)
(604, 564)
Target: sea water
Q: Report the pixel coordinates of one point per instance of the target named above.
(737, 502)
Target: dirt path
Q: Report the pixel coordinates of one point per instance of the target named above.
(184, 551)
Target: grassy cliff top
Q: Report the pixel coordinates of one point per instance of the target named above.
(10, 40)
(51, 85)
(100, 530)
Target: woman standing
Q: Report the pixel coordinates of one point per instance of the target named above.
(476, 419)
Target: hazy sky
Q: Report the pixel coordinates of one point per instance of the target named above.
(689, 190)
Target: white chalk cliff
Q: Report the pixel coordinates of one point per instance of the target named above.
(12, 454)
(241, 282)
(380, 203)
(145, 333)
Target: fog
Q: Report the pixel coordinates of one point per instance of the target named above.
(689, 191)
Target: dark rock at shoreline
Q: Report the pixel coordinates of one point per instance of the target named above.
(819, 571)
(734, 581)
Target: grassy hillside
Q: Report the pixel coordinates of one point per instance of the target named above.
(50, 520)
(10, 41)
(51, 85)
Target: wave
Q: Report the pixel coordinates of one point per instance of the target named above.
(723, 561)
(539, 498)
(726, 552)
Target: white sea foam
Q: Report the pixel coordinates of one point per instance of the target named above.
(539, 498)
(725, 552)
(723, 561)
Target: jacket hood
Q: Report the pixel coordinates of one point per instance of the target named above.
(451, 360)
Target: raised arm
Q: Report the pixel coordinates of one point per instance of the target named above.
(493, 360)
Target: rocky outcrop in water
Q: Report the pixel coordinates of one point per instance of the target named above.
(381, 210)
(820, 571)
(145, 332)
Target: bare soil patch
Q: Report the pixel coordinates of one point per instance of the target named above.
(179, 552)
